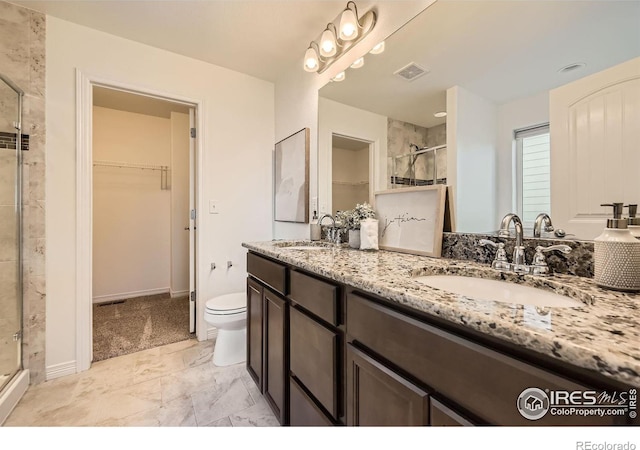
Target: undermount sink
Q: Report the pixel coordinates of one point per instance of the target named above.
(498, 291)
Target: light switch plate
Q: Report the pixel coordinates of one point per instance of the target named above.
(214, 208)
(314, 205)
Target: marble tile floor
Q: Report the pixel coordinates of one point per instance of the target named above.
(169, 386)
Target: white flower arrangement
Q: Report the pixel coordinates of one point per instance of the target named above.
(351, 218)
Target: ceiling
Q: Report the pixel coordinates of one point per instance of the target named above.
(262, 38)
(500, 50)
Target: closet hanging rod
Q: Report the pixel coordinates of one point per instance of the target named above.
(124, 165)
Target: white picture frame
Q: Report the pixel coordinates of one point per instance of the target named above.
(411, 220)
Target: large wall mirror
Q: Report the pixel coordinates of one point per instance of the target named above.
(492, 66)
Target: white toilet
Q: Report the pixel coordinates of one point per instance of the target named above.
(228, 313)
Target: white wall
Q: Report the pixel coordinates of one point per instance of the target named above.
(521, 113)
(471, 159)
(296, 93)
(179, 203)
(131, 228)
(237, 141)
(348, 121)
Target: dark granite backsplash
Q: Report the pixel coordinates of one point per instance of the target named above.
(465, 246)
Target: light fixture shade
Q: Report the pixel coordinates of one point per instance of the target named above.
(340, 77)
(311, 62)
(358, 63)
(348, 25)
(379, 48)
(328, 43)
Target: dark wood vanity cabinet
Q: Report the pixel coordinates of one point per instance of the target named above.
(267, 332)
(323, 354)
(478, 383)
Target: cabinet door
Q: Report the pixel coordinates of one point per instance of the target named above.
(254, 331)
(275, 354)
(377, 396)
(314, 359)
(304, 412)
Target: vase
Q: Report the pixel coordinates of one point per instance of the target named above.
(354, 238)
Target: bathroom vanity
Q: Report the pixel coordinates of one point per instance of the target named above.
(338, 336)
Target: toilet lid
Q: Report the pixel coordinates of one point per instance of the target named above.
(229, 303)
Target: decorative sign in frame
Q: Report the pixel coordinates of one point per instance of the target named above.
(411, 220)
(291, 178)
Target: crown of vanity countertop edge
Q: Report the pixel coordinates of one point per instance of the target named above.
(603, 335)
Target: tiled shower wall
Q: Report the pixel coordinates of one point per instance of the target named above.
(400, 135)
(22, 59)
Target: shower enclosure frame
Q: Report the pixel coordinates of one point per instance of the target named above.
(17, 384)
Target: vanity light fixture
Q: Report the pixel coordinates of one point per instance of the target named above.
(440, 114)
(328, 43)
(379, 48)
(358, 63)
(311, 58)
(346, 30)
(339, 77)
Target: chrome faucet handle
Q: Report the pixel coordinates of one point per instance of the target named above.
(500, 261)
(540, 266)
(336, 238)
(560, 247)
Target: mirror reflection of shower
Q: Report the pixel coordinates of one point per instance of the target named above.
(350, 169)
(10, 231)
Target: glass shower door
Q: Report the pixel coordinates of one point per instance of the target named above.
(10, 241)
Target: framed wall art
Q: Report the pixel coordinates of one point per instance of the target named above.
(291, 178)
(411, 220)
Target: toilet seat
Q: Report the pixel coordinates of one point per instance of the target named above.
(228, 304)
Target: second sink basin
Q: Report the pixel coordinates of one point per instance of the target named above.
(498, 291)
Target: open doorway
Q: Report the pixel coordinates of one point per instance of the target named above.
(350, 172)
(143, 226)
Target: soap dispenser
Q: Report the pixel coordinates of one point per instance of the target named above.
(634, 222)
(617, 255)
(314, 228)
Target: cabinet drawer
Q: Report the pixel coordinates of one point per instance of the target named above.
(443, 416)
(269, 272)
(304, 412)
(483, 381)
(316, 296)
(314, 359)
(377, 396)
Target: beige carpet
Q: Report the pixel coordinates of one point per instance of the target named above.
(140, 323)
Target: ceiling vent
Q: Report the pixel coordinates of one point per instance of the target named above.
(411, 71)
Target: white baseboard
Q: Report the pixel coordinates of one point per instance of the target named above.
(175, 294)
(125, 295)
(12, 394)
(60, 370)
(212, 333)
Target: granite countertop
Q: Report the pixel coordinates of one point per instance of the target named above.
(603, 335)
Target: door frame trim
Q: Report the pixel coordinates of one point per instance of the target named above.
(84, 202)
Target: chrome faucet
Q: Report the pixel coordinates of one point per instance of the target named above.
(542, 219)
(333, 235)
(519, 263)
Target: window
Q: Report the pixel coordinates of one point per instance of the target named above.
(533, 175)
